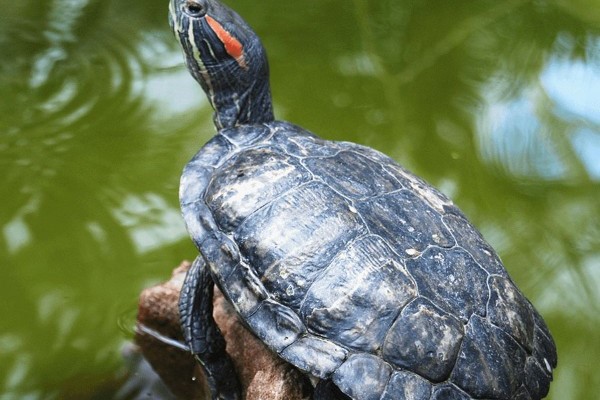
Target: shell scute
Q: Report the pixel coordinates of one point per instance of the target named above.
(544, 348)
(407, 221)
(221, 254)
(248, 181)
(537, 379)
(490, 362)
(449, 392)
(433, 197)
(424, 339)
(199, 221)
(244, 290)
(509, 310)
(452, 280)
(288, 257)
(471, 240)
(355, 301)
(319, 356)
(277, 325)
(192, 184)
(363, 376)
(296, 142)
(522, 394)
(339, 172)
(405, 385)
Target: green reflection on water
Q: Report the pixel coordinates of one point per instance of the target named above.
(492, 102)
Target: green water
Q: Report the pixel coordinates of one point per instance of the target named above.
(496, 103)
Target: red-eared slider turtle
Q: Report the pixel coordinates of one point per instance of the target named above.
(342, 262)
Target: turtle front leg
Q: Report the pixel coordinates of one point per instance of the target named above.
(202, 334)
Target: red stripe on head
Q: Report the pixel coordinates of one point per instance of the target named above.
(233, 46)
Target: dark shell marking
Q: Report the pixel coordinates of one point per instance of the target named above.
(380, 283)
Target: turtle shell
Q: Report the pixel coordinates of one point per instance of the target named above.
(353, 269)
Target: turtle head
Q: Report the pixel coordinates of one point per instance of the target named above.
(227, 58)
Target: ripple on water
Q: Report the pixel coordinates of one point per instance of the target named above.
(78, 115)
(64, 93)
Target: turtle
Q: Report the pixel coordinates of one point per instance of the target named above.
(342, 262)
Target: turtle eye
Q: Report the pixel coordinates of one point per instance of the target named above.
(194, 9)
